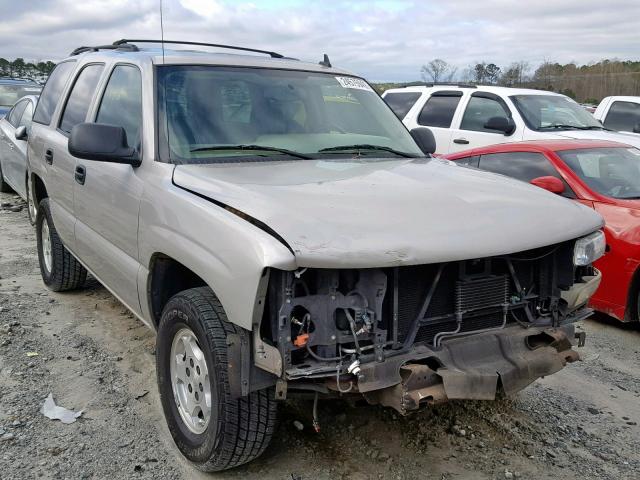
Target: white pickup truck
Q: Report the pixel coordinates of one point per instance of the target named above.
(619, 113)
(469, 116)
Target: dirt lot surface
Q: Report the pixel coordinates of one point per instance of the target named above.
(93, 355)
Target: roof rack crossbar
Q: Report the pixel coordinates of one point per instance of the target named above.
(127, 41)
(123, 46)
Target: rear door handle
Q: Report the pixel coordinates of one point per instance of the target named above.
(81, 174)
(461, 141)
(48, 156)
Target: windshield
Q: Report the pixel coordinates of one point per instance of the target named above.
(553, 112)
(614, 172)
(10, 94)
(215, 114)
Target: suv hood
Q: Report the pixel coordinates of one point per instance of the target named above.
(376, 213)
(632, 139)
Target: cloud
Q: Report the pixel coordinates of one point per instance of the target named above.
(382, 40)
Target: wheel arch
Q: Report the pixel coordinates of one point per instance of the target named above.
(167, 276)
(631, 312)
(39, 188)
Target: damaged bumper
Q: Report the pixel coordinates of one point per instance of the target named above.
(472, 367)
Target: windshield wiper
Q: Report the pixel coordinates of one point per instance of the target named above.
(252, 148)
(366, 146)
(572, 127)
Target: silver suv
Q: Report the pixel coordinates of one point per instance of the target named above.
(284, 234)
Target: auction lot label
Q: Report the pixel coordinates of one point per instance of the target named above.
(351, 82)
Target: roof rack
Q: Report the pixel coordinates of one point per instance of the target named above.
(122, 46)
(127, 41)
(446, 84)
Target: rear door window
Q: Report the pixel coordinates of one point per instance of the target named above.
(479, 110)
(401, 102)
(623, 116)
(439, 109)
(79, 100)
(523, 166)
(52, 92)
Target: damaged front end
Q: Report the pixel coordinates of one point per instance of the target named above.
(408, 335)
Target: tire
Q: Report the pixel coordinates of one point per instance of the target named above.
(4, 186)
(238, 429)
(61, 271)
(32, 210)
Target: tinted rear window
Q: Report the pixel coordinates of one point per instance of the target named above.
(439, 111)
(75, 111)
(52, 91)
(401, 103)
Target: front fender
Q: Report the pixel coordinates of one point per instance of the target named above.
(227, 252)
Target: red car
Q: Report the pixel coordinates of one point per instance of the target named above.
(600, 174)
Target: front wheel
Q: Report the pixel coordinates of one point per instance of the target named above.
(211, 428)
(4, 186)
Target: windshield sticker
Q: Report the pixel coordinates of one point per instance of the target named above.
(31, 89)
(351, 82)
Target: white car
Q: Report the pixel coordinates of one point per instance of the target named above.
(468, 116)
(620, 113)
(15, 128)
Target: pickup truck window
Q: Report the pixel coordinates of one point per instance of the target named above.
(401, 102)
(79, 100)
(623, 116)
(554, 112)
(52, 91)
(614, 172)
(478, 111)
(122, 102)
(523, 166)
(208, 114)
(439, 110)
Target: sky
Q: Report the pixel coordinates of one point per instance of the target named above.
(382, 40)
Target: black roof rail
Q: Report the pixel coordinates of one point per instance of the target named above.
(128, 41)
(441, 84)
(123, 46)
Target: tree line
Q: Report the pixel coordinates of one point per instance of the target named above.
(585, 83)
(21, 68)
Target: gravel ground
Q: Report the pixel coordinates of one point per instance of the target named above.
(93, 355)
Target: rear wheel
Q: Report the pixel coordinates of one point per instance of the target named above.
(212, 429)
(59, 269)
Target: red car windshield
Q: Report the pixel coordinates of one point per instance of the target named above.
(611, 171)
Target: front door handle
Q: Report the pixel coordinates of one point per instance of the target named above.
(461, 141)
(48, 156)
(81, 174)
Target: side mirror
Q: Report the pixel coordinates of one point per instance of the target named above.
(501, 124)
(102, 142)
(549, 183)
(636, 128)
(21, 133)
(425, 140)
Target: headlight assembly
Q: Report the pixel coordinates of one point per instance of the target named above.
(588, 249)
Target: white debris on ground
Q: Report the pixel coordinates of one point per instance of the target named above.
(55, 412)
